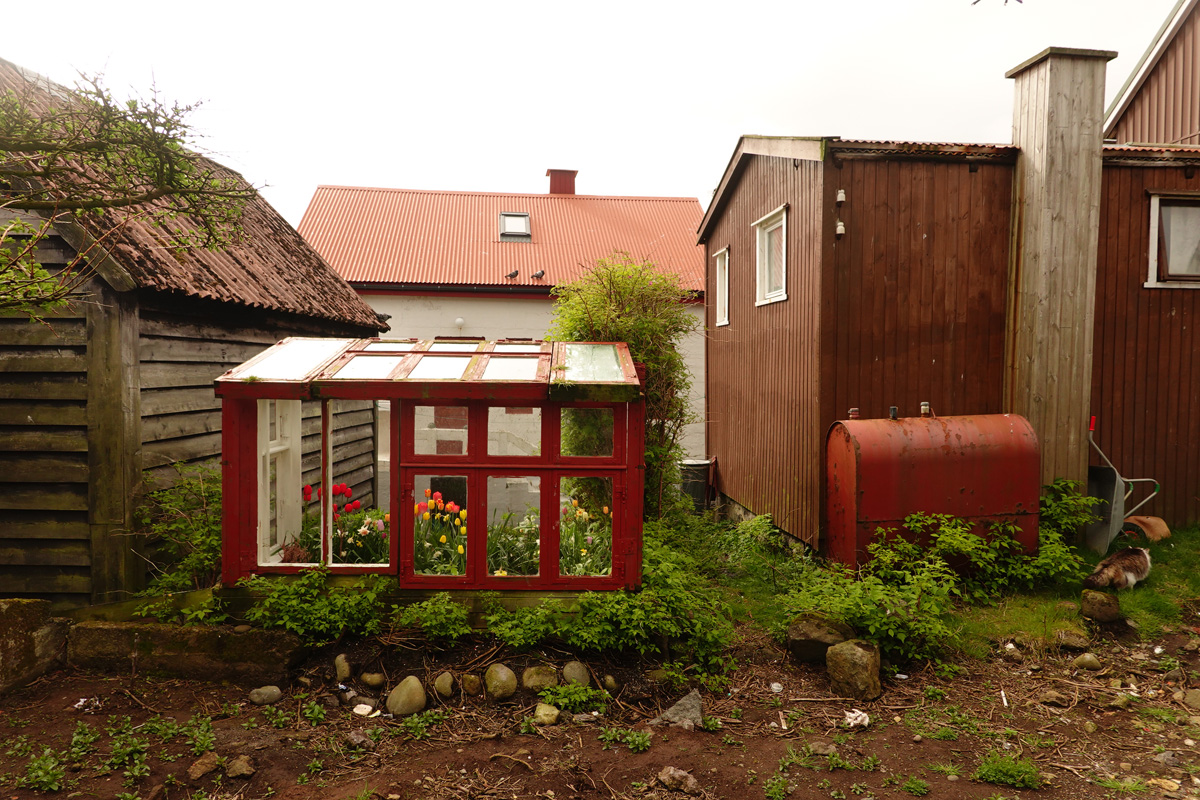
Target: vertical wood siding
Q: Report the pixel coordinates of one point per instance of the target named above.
(1166, 109)
(919, 282)
(763, 402)
(1145, 387)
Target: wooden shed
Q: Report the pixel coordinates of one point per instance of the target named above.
(121, 383)
(874, 274)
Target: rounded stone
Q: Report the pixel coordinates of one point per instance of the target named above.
(577, 672)
(407, 698)
(341, 665)
(242, 629)
(1088, 661)
(545, 714)
(373, 680)
(265, 695)
(1100, 606)
(471, 684)
(444, 685)
(611, 683)
(500, 681)
(539, 677)
(853, 668)
(658, 676)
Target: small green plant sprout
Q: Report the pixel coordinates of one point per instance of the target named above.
(527, 727)
(1127, 785)
(945, 735)
(915, 786)
(314, 712)
(83, 742)
(575, 698)
(636, 741)
(416, 726)
(835, 761)
(945, 769)
(275, 717)
(198, 733)
(935, 693)
(710, 724)
(44, 773)
(1007, 770)
(776, 787)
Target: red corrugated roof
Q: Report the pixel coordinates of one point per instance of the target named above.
(412, 238)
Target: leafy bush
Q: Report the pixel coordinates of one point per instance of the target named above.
(439, 617)
(1064, 511)
(522, 628)
(44, 773)
(621, 300)
(318, 614)
(575, 698)
(183, 521)
(1006, 770)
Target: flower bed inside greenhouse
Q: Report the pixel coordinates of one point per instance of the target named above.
(507, 464)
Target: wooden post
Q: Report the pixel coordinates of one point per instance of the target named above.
(1057, 124)
(114, 443)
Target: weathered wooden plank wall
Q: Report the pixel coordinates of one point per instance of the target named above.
(764, 418)
(1057, 125)
(1145, 387)
(918, 282)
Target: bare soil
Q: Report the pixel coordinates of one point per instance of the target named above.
(923, 727)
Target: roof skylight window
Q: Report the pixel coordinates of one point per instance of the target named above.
(514, 225)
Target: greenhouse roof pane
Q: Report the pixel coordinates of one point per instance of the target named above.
(439, 368)
(511, 369)
(592, 363)
(368, 367)
(454, 347)
(391, 347)
(293, 360)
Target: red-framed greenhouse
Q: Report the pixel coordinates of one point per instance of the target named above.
(509, 464)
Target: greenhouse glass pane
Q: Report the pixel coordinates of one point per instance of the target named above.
(531, 347)
(294, 360)
(368, 367)
(454, 347)
(439, 368)
(511, 369)
(391, 347)
(591, 363)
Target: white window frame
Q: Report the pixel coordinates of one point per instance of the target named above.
(1153, 279)
(721, 309)
(283, 454)
(763, 226)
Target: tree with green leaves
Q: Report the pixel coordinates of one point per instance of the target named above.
(620, 299)
(82, 157)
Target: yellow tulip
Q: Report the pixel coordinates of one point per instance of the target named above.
(460, 549)
(463, 530)
(443, 539)
(501, 573)
(462, 514)
(583, 552)
(416, 509)
(425, 515)
(575, 503)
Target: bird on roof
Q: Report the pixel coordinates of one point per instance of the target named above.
(541, 273)
(512, 274)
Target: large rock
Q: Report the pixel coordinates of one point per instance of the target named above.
(31, 641)
(1072, 639)
(539, 677)
(265, 695)
(688, 713)
(407, 698)
(500, 681)
(545, 714)
(1100, 606)
(471, 684)
(577, 672)
(199, 652)
(444, 685)
(678, 780)
(853, 668)
(341, 666)
(809, 636)
(240, 767)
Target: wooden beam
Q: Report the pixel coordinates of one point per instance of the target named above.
(114, 444)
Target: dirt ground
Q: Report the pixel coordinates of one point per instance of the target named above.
(926, 732)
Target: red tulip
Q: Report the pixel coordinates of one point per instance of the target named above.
(437, 496)
(346, 490)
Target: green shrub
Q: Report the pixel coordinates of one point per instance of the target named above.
(619, 299)
(575, 698)
(439, 617)
(1006, 770)
(183, 523)
(315, 612)
(44, 773)
(636, 741)
(522, 628)
(1064, 510)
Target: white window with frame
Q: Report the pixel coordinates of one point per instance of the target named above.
(1174, 242)
(770, 234)
(279, 489)
(721, 294)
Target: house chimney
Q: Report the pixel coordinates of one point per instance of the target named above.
(1058, 122)
(562, 181)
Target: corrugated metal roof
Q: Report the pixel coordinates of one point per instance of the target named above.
(946, 148)
(413, 238)
(271, 268)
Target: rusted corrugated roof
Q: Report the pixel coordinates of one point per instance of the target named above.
(417, 238)
(272, 267)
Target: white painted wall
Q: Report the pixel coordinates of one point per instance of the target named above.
(424, 317)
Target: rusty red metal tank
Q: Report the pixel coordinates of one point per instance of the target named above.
(878, 471)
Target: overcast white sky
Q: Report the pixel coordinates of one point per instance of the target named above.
(643, 98)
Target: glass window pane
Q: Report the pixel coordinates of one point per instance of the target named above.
(287, 534)
(514, 536)
(361, 527)
(440, 524)
(587, 432)
(531, 347)
(1180, 225)
(295, 359)
(440, 430)
(775, 259)
(588, 363)
(514, 431)
(368, 367)
(585, 526)
(511, 369)
(453, 347)
(434, 368)
(391, 347)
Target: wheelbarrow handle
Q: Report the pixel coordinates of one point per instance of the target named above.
(1092, 425)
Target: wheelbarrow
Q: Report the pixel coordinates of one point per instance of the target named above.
(1107, 484)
